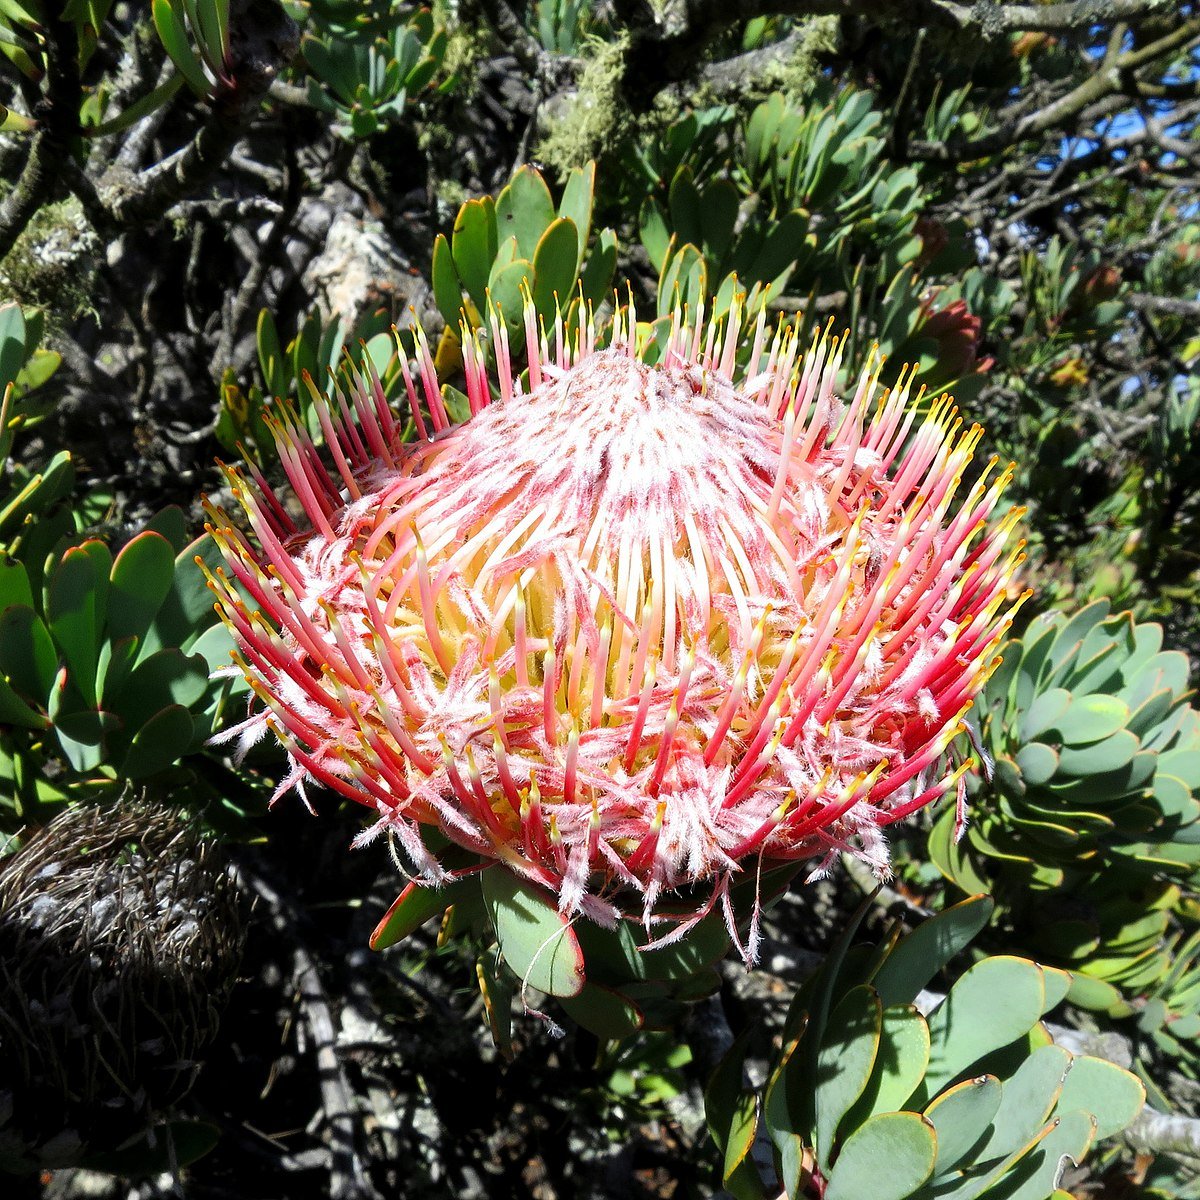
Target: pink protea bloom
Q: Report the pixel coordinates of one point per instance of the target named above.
(630, 626)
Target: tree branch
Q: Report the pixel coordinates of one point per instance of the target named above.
(1165, 304)
(349, 1179)
(661, 55)
(1109, 81)
(57, 115)
(265, 39)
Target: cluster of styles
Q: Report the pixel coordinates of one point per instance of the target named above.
(653, 617)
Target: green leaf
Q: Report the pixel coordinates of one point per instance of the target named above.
(779, 252)
(845, 1062)
(164, 739)
(686, 208)
(175, 1144)
(961, 1116)
(187, 609)
(654, 232)
(1112, 1095)
(76, 607)
(1043, 713)
(165, 678)
(888, 1158)
(1108, 755)
(137, 109)
(917, 958)
(113, 664)
(730, 1109)
(28, 656)
(15, 122)
(139, 582)
(603, 1011)
(447, 293)
(497, 990)
(1057, 983)
(172, 32)
(14, 710)
(170, 523)
(602, 262)
(899, 1065)
(507, 289)
(14, 584)
(812, 1005)
(12, 342)
(1181, 764)
(271, 359)
(1038, 1173)
(473, 246)
(951, 857)
(576, 205)
(777, 1112)
(211, 27)
(1038, 763)
(718, 216)
(1091, 993)
(537, 941)
(1029, 1097)
(995, 1002)
(1090, 719)
(524, 210)
(554, 271)
(416, 904)
(82, 737)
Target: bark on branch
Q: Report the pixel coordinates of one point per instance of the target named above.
(264, 40)
(660, 55)
(57, 115)
(1113, 79)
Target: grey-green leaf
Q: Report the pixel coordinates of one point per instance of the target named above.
(917, 958)
(961, 1117)
(888, 1158)
(845, 1061)
(995, 1002)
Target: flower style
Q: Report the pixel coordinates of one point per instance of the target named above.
(630, 626)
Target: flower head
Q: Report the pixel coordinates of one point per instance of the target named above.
(629, 625)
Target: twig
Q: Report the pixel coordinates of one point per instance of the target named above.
(349, 1179)
(1164, 304)
(521, 44)
(262, 46)
(864, 879)
(1111, 77)
(57, 114)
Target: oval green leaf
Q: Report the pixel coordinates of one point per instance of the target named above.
(961, 1117)
(1111, 1094)
(537, 941)
(845, 1062)
(888, 1158)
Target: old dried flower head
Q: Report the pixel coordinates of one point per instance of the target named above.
(630, 626)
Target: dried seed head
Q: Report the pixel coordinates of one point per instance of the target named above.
(120, 934)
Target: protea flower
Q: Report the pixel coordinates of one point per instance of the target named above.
(632, 626)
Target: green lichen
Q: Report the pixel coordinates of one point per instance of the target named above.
(797, 74)
(594, 120)
(52, 265)
(463, 53)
